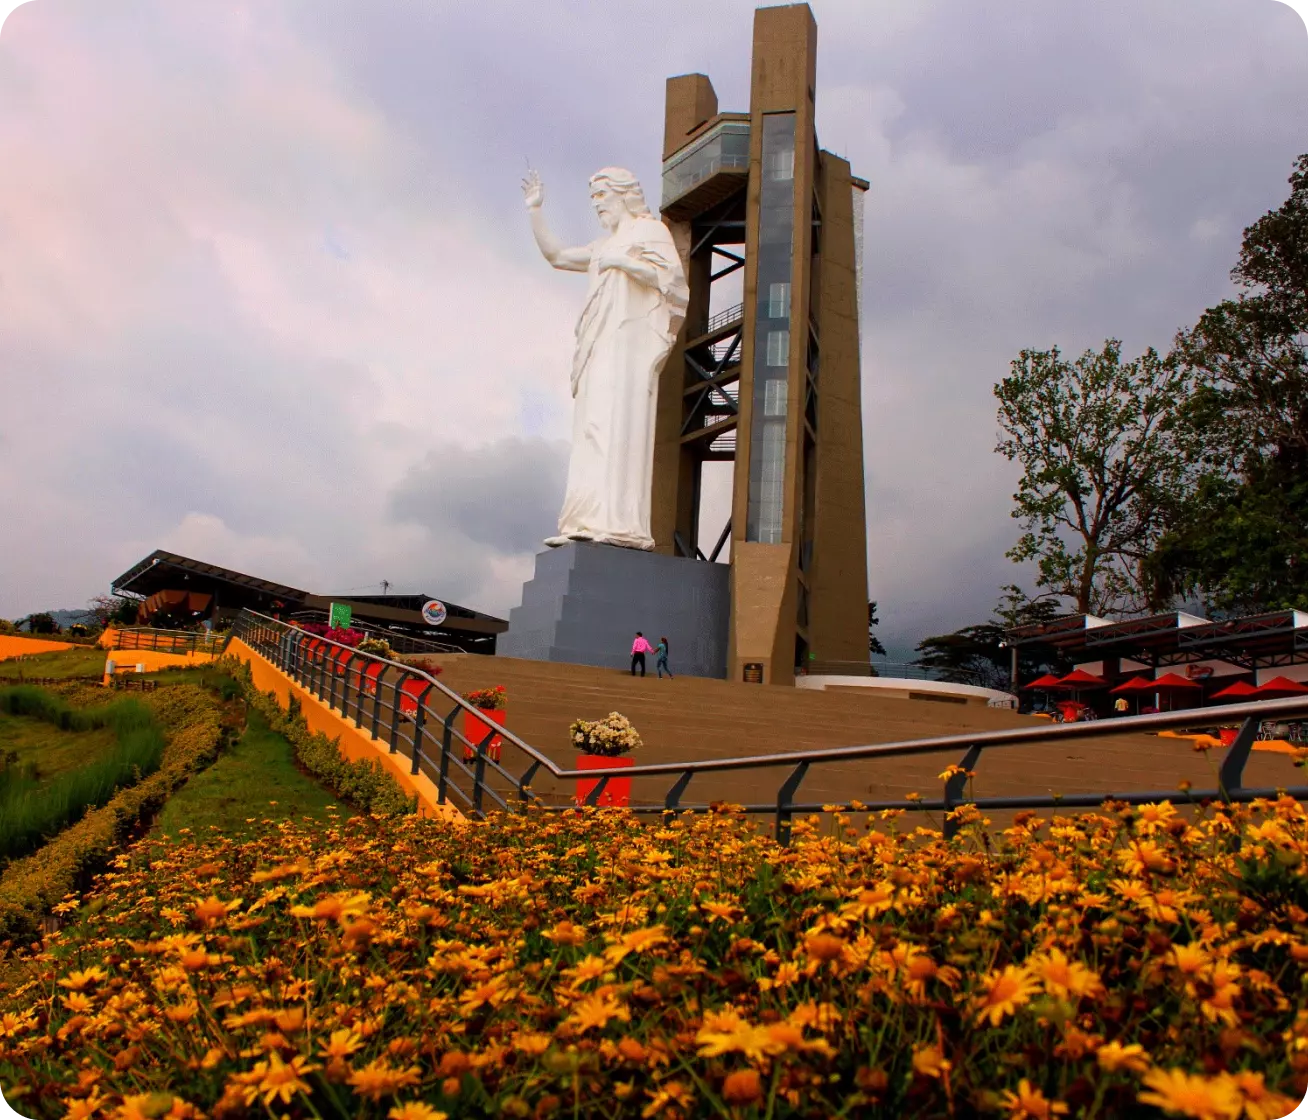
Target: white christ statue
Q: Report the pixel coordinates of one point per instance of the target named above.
(635, 305)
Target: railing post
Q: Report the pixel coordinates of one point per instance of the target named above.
(396, 692)
(672, 801)
(479, 770)
(1230, 777)
(331, 659)
(376, 701)
(785, 803)
(525, 781)
(593, 797)
(345, 686)
(956, 786)
(447, 739)
(418, 724)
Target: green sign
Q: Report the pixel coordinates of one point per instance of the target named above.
(339, 616)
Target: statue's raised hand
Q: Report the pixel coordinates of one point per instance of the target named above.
(533, 190)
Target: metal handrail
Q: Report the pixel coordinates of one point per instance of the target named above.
(167, 641)
(722, 318)
(309, 666)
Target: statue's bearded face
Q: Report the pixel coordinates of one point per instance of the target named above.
(609, 205)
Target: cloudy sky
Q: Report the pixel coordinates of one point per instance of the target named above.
(268, 296)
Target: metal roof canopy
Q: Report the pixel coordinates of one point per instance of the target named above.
(1257, 641)
(162, 571)
(151, 575)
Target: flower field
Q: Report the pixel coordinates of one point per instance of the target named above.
(1127, 963)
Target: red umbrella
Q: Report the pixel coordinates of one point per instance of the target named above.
(1079, 679)
(1135, 684)
(1281, 686)
(1170, 681)
(1237, 691)
(1047, 681)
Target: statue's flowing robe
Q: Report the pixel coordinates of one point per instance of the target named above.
(624, 335)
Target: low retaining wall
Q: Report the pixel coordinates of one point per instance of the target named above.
(355, 744)
(11, 645)
(902, 688)
(126, 660)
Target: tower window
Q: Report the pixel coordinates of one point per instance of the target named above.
(779, 301)
(778, 348)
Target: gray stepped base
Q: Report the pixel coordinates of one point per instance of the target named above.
(586, 602)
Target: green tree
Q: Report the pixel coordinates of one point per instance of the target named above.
(40, 623)
(873, 642)
(107, 610)
(977, 654)
(1240, 541)
(1102, 456)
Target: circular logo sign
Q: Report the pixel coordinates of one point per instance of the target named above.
(433, 612)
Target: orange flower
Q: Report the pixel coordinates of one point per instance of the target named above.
(1063, 978)
(1260, 1103)
(1030, 1102)
(341, 1044)
(596, 1011)
(823, 947)
(742, 1087)
(80, 981)
(565, 933)
(212, 909)
(1113, 1056)
(1203, 1098)
(1004, 992)
(275, 1080)
(378, 1079)
(929, 1060)
(415, 1110)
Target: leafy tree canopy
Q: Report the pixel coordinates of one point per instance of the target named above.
(975, 655)
(1238, 541)
(1101, 454)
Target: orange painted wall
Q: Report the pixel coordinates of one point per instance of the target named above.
(354, 743)
(126, 660)
(13, 646)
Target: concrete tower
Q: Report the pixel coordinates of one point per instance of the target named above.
(770, 384)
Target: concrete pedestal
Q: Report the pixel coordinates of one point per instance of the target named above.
(586, 602)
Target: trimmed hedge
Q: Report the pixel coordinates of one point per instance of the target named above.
(31, 886)
(364, 785)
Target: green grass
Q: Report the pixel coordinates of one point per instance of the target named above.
(258, 770)
(50, 750)
(31, 810)
(64, 663)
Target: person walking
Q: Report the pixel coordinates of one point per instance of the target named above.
(661, 659)
(639, 648)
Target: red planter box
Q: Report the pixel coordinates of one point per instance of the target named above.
(617, 793)
(474, 730)
(410, 690)
(1227, 735)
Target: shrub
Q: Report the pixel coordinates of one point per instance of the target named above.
(365, 785)
(613, 735)
(378, 647)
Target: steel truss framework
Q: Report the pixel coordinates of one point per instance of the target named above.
(1264, 641)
